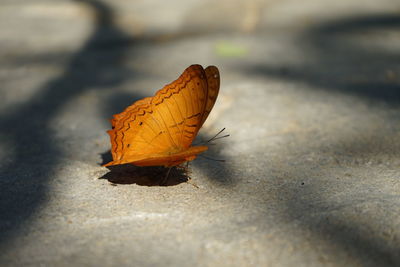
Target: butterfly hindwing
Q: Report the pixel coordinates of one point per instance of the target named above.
(133, 133)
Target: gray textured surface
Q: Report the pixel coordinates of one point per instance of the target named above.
(312, 105)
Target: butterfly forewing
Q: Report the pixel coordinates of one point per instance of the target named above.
(193, 100)
(213, 82)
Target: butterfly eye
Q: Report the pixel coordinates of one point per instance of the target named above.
(141, 123)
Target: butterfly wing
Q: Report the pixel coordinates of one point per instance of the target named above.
(129, 136)
(213, 82)
(167, 123)
(181, 106)
(203, 96)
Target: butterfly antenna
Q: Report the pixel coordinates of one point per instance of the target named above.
(215, 137)
(219, 137)
(212, 138)
(219, 160)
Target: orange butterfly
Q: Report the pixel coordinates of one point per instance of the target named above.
(159, 130)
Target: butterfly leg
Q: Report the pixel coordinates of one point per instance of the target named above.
(165, 179)
(189, 181)
(187, 173)
(185, 169)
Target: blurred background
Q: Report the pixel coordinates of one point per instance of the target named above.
(310, 93)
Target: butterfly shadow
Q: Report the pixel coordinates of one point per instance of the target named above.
(144, 176)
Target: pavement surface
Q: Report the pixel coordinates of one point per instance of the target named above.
(310, 93)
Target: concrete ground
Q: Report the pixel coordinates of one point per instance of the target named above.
(310, 94)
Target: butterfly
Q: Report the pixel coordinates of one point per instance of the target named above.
(159, 130)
